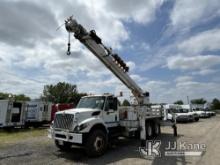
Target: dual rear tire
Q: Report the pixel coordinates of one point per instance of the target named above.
(152, 129)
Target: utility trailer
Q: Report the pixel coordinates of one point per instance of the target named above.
(37, 113)
(12, 114)
(98, 119)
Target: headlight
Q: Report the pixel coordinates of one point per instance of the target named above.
(51, 125)
(81, 127)
(76, 117)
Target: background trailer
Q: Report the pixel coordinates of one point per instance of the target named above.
(38, 113)
(12, 114)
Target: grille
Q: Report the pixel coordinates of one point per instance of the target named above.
(63, 121)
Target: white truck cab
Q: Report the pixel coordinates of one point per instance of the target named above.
(89, 124)
(187, 108)
(98, 119)
(181, 114)
(202, 113)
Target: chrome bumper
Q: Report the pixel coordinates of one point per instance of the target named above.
(64, 135)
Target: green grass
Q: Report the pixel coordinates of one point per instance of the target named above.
(15, 135)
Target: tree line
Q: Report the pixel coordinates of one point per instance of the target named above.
(63, 92)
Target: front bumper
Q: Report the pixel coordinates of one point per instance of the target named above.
(204, 115)
(184, 118)
(65, 135)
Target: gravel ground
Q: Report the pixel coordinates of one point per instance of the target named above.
(40, 150)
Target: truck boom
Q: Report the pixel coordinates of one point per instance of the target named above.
(98, 119)
(111, 60)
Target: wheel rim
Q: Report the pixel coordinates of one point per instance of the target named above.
(99, 143)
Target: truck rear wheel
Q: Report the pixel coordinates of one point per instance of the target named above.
(156, 129)
(96, 143)
(149, 130)
(62, 145)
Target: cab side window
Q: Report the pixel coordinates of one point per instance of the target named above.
(111, 103)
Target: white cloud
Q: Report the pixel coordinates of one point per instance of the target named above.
(205, 41)
(188, 13)
(45, 59)
(183, 86)
(131, 65)
(204, 72)
(183, 78)
(192, 63)
(155, 88)
(26, 69)
(17, 84)
(199, 89)
(141, 11)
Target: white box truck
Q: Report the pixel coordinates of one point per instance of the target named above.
(37, 113)
(12, 114)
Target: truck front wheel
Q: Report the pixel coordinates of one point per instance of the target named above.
(96, 143)
(62, 145)
(197, 119)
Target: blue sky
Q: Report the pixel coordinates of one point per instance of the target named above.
(172, 47)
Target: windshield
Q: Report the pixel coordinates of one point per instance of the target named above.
(198, 109)
(91, 102)
(180, 110)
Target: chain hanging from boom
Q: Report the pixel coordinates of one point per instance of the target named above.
(68, 45)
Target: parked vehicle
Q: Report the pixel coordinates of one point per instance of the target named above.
(37, 113)
(183, 115)
(170, 109)
(212, 113)
(202, 113)
(98, 119)
(187, 107)
(12, 114)
(60, 107)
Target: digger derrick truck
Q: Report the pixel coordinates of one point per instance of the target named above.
(98, 119)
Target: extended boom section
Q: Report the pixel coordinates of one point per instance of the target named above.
(111, 60)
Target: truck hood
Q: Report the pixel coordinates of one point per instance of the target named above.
(182, 114)
(200, 112)
(81, 113)
(78, 110)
